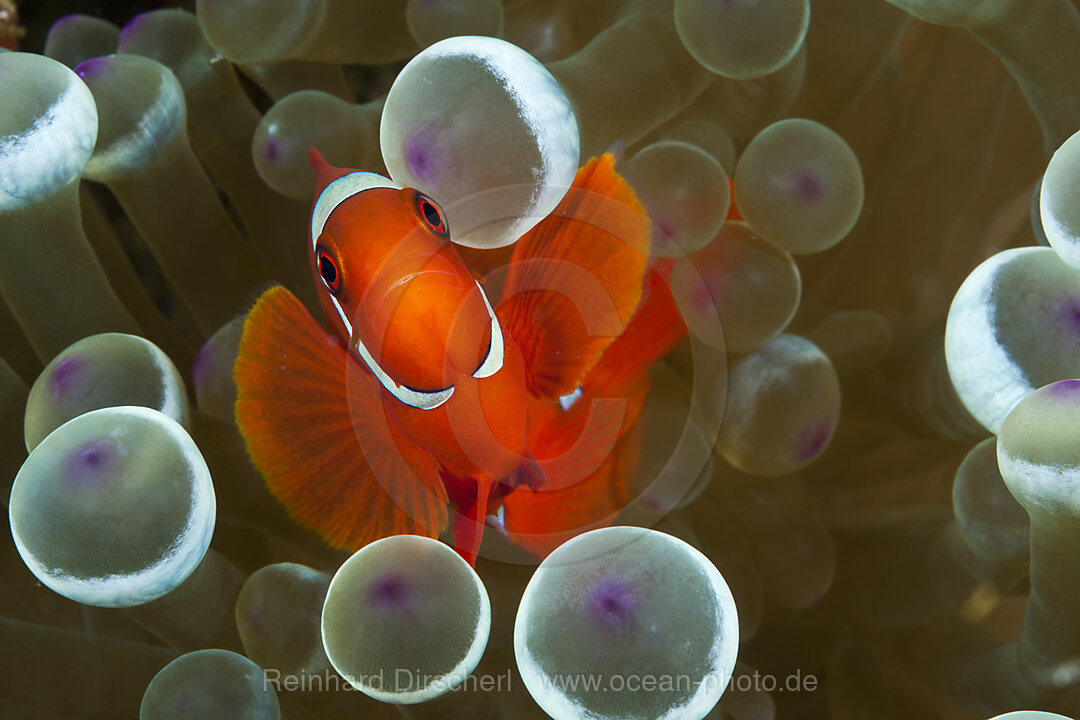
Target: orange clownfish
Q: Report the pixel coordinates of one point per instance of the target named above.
(10, 30)
(427, 405)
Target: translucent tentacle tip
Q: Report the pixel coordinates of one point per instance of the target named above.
(626, 622)
(278, 616)
(1013, 326)
(105, 370)
(114, 508)
(210, 684)
(1039, 451)
(406, 619)
(48, 125)
(742, 39)
(471, 92)
(799, 185)
(1058, 207)
(141, 108)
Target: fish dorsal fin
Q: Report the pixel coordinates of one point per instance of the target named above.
(575, 279)
(315, 427)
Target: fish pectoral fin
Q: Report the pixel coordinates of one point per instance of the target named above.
(315, 427)
(574, 280)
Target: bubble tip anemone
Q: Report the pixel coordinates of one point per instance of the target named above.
(50, 152)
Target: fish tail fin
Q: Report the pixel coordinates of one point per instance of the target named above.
(588, 451)
(583, 489)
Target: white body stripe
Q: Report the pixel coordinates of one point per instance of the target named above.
(494, 360)
(333, 195)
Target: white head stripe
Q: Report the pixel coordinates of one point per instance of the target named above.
(338, 192)
(494, 360)
(415, 398)
(333, 195)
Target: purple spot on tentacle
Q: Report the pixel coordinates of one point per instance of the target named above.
(1068, 314)
(654, 504)
(1065, 390)
(807, 187)
(202, 361)
(92, 464)
(185, 703)
(612, 605)
(421, 155)
(271, 150)
(663, 234)
(132, 26)
(67, 375)
(92, 69)
(390, 592)
(705, 299)
(813, 441)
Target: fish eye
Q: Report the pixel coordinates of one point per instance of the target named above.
(430, 213)
(328, 270)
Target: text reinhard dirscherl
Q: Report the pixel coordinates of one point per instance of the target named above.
(403, 680)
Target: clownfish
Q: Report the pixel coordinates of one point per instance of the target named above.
(10, 30)
(425, 404)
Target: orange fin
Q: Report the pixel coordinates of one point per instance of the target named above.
(540, 520)
(655, 329)
(574, 280)
(733, 213)
(596, 419)
(315, 428)
(588, 451)
(470, 497)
